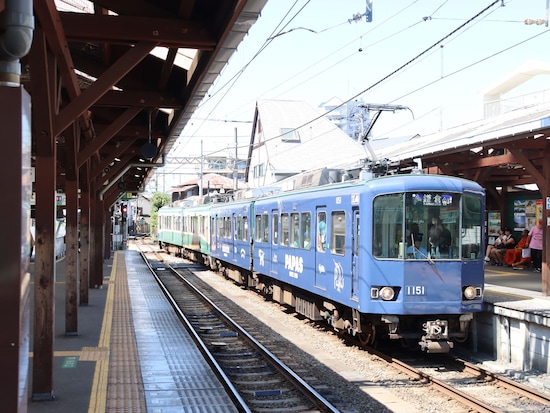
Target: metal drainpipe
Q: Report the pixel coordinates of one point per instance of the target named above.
(126, 169)
(16, 40)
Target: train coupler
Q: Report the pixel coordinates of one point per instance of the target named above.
(431, 346)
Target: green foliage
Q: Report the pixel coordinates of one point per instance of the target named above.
(158, 200)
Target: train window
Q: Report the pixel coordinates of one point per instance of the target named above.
(262, 228)
(433, 225)
(306, 230)
(265, 228)
(242, 228)
(275, 228)
(388, 226)
(227, 228)
(471, 232)
(338, 232)
(321, 231)
(285, 229)
(258, 227)
(202, 225)
(295, 238)
(194, 224)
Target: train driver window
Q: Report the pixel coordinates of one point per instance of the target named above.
(434, 218)
(387, 236)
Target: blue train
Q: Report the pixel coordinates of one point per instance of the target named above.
(397, 257)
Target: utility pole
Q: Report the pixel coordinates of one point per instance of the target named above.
(236, 164)
(200, 173)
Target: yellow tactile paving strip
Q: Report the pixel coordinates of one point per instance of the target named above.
(117, 385)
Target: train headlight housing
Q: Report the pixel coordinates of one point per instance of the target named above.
(384, 293)
(387, 293)
(470, 292)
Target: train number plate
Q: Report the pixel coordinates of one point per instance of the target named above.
(415, 290)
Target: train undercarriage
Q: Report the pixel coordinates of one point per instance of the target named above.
(431, 333)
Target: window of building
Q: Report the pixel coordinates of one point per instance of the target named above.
(290, 135)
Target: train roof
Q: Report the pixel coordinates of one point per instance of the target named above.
(381, 184)
(391, 183)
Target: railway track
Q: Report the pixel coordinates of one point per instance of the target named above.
(256, 378)
(472, 387)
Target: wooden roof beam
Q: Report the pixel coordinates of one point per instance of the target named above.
(104, 83)
(81, 27)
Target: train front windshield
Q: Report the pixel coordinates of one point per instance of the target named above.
(427, 225)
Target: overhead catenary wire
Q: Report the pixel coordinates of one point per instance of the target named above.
(397, 70)
(231, 83)
(415, 59)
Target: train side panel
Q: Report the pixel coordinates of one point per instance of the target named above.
(231, 233)
(398, 256)
(169, 226)
(196, 228)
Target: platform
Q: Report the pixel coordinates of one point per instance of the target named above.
(131, 353)
(128, 354)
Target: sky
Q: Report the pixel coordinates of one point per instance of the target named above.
(432, 56)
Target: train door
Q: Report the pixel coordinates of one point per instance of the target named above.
(213, 233)
(274, 259)
(355, 248)
(233, 244)
(322, 256)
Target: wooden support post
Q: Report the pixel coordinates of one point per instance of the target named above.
(15, 248)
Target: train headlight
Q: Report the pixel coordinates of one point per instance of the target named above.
(471, 292)
(387, 293)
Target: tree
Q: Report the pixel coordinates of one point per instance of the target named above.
(158, 200)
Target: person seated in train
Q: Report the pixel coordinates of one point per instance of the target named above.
(416, 250)
(494, 245)
(517, 257)
(508, 242)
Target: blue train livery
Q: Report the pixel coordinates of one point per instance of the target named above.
(397, 257)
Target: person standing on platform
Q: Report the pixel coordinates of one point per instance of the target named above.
(535, 243)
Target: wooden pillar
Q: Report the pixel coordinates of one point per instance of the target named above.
(84, 235)
(14, 248)
(43, 85)
(71, 259)
(545, 193)
(45, 186)
(96, 240)
(71, 238)
(107, 231)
